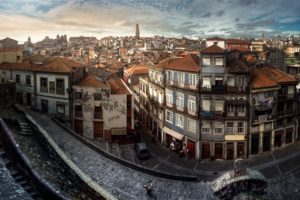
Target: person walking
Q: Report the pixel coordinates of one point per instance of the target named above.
(148, 187)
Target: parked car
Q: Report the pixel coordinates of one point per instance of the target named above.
(142, 151)
(137, 124)
(136, 136)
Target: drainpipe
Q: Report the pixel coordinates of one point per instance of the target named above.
(250, 122)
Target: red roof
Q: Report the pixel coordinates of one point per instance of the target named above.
(213, 49)
(91, 81)
(118, 86)
(236, 41)
(266, 77)
(138, 69)
(190, 62)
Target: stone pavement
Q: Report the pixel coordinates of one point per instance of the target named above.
(9, 188)
(121, 181)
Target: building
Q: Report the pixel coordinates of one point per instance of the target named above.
(181, 123)
(273, 105)
(7, 91)
(132, 74)
(241, 45)
(223, 105)
(44, 83)
(11, 55)
(8, 43)
(215, 40)
(137, 32)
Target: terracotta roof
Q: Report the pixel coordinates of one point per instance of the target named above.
(216, 38)
(57, 65)
(50, 64)
(190, 62)
(236, 66)
(117, 86)
(236, 41)
(266, 77)
(138, 69)
(213, 49)
(91, 81)
(10, 49)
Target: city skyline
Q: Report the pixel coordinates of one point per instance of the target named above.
(191, 18)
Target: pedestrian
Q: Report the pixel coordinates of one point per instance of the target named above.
(148, 187)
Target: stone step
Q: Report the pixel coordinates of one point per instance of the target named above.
(19, 178)
(14, 173)
(28, 188)
(7, 162)
(26, 133)
(23, 182)
(26, 130)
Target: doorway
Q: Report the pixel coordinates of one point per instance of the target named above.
(98, 129)
(44, 104)
(254, 144)
(219, 150)
(230, 150)
(28, 99)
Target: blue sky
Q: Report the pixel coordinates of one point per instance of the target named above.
(189, 18)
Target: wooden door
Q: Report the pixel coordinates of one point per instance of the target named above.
(78, 126)
(205, 150)
(192, 148)
(28, 96)
(98, 129)
(230, 151)
(278, 139)
(44, 104)
(219, 150)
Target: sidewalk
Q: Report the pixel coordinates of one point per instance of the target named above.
(271, 164)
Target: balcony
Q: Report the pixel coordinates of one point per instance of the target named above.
(218, 88)
(263, 109)
(210, 114)
(207, 114)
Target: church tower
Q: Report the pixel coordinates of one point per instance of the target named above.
(137, 31)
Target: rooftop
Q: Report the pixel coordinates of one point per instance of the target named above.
(137, 69)
(91, 81)
(266, 77)
(190, 62)
(118, 86)
(213, 49)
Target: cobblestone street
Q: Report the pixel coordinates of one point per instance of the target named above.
(282, 172)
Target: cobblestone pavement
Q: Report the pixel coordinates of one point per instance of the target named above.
(282, 172)
(9, 189)
(121, 181)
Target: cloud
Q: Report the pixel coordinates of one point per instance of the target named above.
(169, 17)
(220, 13)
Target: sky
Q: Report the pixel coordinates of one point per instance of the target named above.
(171, 18)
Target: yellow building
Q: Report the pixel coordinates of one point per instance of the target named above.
(11, 55)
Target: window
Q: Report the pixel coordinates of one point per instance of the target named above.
(240, 127)
(229, 127)
(51, 87)
(181, 77)
(78, 111)
(78, 95)
(169, 97)
(291, 91)
(17, 78)
(180, 100)
(206, 105)
(98, 112)
(192, 104)
(44, 84)
(241, 108)
(169, 116)
(219, 61)
(60, 86)
(206, 61)
(60, 108)
(192, 79)
(230, 108)
(219, 105)
(218, 80)
(179, 120)
(191, 125)
(18, 58)
(206, 82)
(28, 80)
(170, 76)
(218, 128)
(97, 96)
(230, 81)
(206, 127)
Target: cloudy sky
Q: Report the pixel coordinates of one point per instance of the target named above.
(191, 18)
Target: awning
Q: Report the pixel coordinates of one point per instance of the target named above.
(234, 137)
(173, 133)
